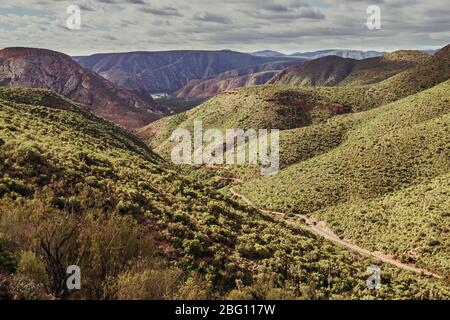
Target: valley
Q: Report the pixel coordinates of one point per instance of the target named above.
(374, 162)
(319, 228)
(86, 176)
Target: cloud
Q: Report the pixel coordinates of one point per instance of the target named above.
(275, 7)
(106, 1)
(310, 13)
(167, 11)
(244, 25)
(211, 17)
(84, 7)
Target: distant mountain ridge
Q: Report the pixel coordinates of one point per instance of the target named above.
(167, 71)
(353, 54)
(268, 53)
(335, 70)
(46, 69)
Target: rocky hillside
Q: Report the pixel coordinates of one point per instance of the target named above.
(39, 68)
(232, 79)
(168, 71)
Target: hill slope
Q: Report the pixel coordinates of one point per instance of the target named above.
(168, 71)
(334, 70)
(288, 107)
(232, 79)
(75, 188)
(378, 177)
(211, 87)
(39, 68)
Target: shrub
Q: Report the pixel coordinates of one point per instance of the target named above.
(32, 267)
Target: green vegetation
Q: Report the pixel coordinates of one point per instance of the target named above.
(75, 189)
(375, 70)
(379, 178)
(288, 107)
(337, 71)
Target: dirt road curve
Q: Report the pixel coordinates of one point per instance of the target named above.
(319, 228)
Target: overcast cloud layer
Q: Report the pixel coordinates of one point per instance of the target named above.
(243, 25)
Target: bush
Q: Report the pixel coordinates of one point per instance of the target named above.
(149, 284)
(193, 247)
(32, 267)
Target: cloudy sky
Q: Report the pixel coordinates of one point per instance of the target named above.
(243, 25)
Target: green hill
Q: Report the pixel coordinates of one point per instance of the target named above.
(372, 176)
(75, 189)
(289, 107)
(337, 71)
(375, 70)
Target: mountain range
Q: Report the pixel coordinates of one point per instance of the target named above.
(203, 74)
(170, 71)
(353, 54)
(291, 106)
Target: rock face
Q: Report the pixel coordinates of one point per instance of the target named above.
(169, 71)
(40, 68)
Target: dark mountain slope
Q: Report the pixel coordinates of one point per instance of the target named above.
(168, 71)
